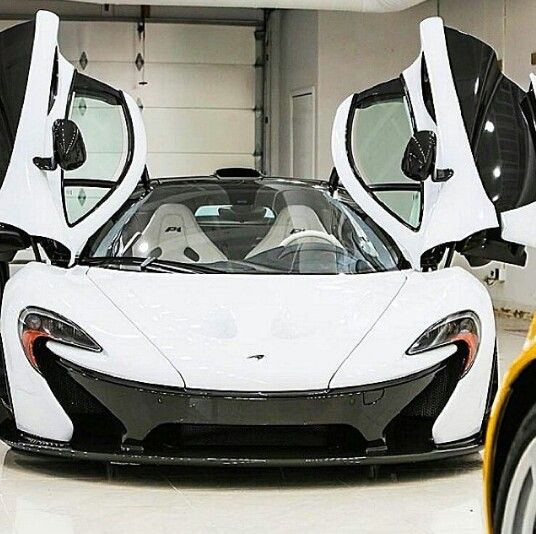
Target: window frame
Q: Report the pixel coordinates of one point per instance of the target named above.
(91, 88)
(390, 90)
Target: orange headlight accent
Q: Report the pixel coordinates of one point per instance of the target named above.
(472, 341)
(28, 339)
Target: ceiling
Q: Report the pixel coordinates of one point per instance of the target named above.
(343, 5)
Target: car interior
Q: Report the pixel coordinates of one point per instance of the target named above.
(205, 222)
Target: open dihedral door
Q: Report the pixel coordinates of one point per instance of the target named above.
(49, 112)
(478, 130)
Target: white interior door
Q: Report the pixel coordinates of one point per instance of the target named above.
(303, 134)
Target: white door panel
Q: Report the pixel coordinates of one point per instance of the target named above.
(120, 44)
(198, 43)
(203, 130)
(463, 194)
(32, 199)
(25, 188)
(179, 85)
(195, 164)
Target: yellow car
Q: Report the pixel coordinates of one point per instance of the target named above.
(510, 452)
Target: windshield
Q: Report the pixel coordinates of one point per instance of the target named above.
(242, 226)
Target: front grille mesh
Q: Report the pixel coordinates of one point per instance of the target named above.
(432, 400)
(412, 429)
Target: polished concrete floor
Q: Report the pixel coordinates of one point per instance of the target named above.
(50, 497)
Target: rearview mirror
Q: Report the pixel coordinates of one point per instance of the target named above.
(419, 157)
(11, 241)
(69, 147)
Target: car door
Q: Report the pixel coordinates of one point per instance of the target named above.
(38, 88)
(481, 187)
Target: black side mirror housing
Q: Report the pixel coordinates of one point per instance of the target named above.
(11, 241)
(419, 157)
(69, 148)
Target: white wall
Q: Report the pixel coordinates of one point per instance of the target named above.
(296, 48)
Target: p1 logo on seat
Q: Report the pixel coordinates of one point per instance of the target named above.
(176, 229)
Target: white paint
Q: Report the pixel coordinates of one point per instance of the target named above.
(31, 199)
(231, 317)
(423, 296)
(149, 335)
(508, 27)
(127, 353)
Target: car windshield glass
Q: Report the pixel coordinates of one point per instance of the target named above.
(269, 226)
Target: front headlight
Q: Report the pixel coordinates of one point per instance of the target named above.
(37, 324)
(462, 328)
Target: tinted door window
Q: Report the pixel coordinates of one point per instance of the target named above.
(380, 133)
(100, 115)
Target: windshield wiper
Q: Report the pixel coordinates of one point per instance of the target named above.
(151, 263)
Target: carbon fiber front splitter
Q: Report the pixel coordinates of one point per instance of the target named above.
(25, 443)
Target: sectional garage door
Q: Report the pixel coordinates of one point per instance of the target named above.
(196, 87)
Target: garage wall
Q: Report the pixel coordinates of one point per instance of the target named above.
(294, 67)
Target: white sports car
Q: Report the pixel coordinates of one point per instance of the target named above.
(238, 318)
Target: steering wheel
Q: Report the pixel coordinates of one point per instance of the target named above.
(310, 234)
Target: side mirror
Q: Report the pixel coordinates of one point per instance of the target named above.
(68, 145)
(11, 241)
(419, 157)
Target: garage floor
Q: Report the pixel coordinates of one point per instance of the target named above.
(50, 497)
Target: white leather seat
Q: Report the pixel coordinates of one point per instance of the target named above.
(291, 220)
(174, 229)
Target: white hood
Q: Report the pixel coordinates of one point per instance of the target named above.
(211, 327)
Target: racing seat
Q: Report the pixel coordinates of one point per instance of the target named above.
(174, 229)
(292, 219)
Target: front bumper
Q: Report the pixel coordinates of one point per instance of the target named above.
(128, 422)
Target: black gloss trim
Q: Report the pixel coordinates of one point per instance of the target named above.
(74, 182)
(16, 47)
